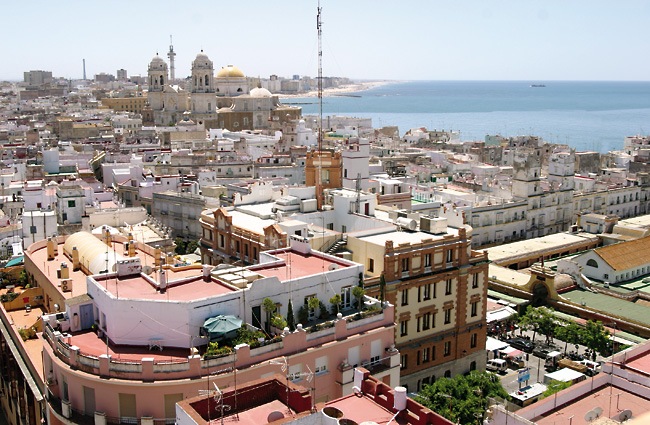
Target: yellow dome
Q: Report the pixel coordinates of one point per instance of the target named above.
(230, 71)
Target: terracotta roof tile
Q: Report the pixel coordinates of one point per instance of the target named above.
(626, 255)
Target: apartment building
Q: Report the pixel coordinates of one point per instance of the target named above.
(122, 322)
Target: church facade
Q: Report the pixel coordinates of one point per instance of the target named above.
(224, 100)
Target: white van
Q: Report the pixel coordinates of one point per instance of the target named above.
(497, 365)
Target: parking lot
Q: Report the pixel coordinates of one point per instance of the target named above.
(533, 356)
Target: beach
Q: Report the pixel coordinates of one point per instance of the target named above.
(341, 90)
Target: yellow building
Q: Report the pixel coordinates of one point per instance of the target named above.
(125, 104)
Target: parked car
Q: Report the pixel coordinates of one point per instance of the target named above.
(521, 344)
(542, 350)
(496, 365)
(592, 367)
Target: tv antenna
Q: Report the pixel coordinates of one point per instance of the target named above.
(217, 395)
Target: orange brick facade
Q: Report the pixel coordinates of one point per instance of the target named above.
(439, 289)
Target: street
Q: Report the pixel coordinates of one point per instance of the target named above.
(535, 364)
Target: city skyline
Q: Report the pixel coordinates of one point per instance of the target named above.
(472, 40)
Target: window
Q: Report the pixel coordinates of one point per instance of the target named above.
(473, 340)
(417, 358)
(474, 308)
(447, 317)
(427, 291)
(426, 321)
(433, 357)
(450, 256)
(425, 355)
(427, 260)
(404, 361)
(435, 286)
(448, 287)
(71, 204)
(321, 365)
(405, 264)
(447, 373)
(346, 297)
(371, 265)
(404, 327)
(417, 327)
(447, 348)
(475, 280)
(592, 263)
(405, 296)
(32, 229)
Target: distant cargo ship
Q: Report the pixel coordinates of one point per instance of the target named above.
(538, 85)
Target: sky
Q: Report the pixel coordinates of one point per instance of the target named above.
(362, 39)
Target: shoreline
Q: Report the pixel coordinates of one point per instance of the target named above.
(342, 90)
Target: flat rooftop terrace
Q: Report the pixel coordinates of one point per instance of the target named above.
(297, 265)
(138, 288)
(611, 399)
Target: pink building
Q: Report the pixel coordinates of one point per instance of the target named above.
(271, 400)
(122, 350)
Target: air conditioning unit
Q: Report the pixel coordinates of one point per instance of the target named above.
(66, 285)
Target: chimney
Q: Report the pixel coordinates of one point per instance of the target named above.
(206, 272)
(52, 248)
(163, 282)
(76, 265)
(65, 271)
(107, 236)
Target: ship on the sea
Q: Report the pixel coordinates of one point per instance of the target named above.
(538, 85)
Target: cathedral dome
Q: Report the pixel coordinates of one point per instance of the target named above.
(230, 71)
(202, 61)
(157, 63)
(260, 92)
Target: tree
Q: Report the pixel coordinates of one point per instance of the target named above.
(336, 301)
(358, 292)
(191, 247)
(554, 387)
(181, 246)
(463, 398)
(570, 333)
(538, 319)
(269, 307)
(291, 320)
(595, 337)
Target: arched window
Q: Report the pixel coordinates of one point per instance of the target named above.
(592, 263)
(206, 81)
(162, 82)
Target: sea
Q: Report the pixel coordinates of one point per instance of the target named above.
(586, 115)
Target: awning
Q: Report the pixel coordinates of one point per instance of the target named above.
(494, 344)
(221, 327)
(15, 261)
(500, 314)
(515, 353)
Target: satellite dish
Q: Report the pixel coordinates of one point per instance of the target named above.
(624, 415)
(590, 416)
(276, 415)
(598, 411)
(333, 267)
(147, 269)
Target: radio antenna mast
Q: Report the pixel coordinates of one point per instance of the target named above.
(319, 185)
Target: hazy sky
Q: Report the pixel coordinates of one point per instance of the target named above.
(362, 39)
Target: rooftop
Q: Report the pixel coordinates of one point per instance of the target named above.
(406, 237)
(297, 265)
(610, 305)
(531, 246)
(626, 255)
(184, 285)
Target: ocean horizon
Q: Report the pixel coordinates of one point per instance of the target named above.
(586, 115)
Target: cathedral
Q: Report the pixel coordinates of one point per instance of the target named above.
(222, 101)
